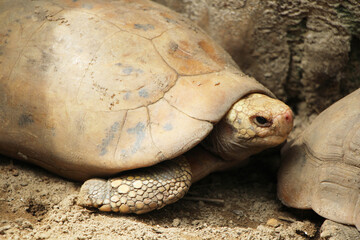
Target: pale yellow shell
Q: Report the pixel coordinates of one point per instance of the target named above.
(92, 88)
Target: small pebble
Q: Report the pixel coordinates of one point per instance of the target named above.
(267, 75)
(238, 212)
(43, 235)
(15, 172)
(195, 222)
(176, 222)
(305, 228)
(24, 184)
(273, 222)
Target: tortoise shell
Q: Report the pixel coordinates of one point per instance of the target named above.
(90, 88)
(321, 168)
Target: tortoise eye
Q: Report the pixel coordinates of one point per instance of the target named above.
(261, 121)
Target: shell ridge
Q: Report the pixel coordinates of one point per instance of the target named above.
(151, 135)
(314, 158)
(333, 183)
(203, 120)
(201, 74)
(320, 158)
(151, 39)
(157, 51)
(352, 145)
(120, 130)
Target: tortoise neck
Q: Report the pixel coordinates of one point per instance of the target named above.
(221, 141)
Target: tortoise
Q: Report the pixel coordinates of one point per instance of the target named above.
(320, 169)
(90, 89)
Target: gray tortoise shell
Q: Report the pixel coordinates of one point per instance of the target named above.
(321, 168)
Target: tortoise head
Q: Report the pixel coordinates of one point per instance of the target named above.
(254, 123)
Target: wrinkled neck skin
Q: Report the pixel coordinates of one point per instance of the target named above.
(223, 143)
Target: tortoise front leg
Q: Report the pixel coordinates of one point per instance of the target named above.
(141, 190)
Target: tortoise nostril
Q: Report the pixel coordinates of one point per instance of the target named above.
(288, 116)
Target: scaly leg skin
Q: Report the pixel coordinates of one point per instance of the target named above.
(141, 190)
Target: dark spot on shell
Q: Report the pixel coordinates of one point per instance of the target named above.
(174, 46)
(31, 61)
(144, 27)
(109, 137)
(168, 17)
(127, 70)
(139, 131)
(25, 120)
(168, 127)
(126, 96)
(143, 93)
(168, 20)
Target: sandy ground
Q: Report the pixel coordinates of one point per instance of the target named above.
(35, 204)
